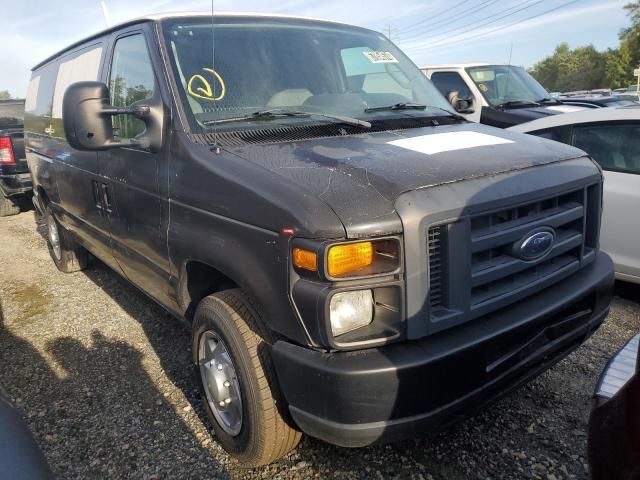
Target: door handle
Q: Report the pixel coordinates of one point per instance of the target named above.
(97, 197)
(106, 201)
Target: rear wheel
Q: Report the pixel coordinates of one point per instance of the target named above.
(65, 252)
(8, 207)
(231, 353)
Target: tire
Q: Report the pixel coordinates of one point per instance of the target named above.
(8, 207)
(265, 434)
(68, 256)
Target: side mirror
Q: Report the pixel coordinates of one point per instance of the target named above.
(461, 104)
(86, 114)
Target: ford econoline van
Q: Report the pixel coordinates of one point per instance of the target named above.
(355, 260)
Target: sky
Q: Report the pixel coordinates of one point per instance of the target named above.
(429, 31)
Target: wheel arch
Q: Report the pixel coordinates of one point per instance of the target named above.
(199, 280)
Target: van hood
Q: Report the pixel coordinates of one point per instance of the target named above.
(361, 176)
(507, 117)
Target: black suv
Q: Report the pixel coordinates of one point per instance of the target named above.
(354, 259)
(15, 180)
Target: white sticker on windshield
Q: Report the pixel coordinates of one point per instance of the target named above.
(446, 142)
(380, 57)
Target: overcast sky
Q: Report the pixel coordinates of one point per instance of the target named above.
(429, 31)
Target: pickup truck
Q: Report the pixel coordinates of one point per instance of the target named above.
(497, 95)
(15, 179)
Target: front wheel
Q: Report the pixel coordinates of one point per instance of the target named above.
(231, 353)
(65, 252)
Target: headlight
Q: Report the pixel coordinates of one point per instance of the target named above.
(350, 310)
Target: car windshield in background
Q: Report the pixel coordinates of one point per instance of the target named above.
(11, 113)
(298, 66)
(509, 86)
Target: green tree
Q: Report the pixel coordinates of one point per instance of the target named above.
(617, 67)
(4, 95)
(580, 69)
(585, 68)
(630, 37)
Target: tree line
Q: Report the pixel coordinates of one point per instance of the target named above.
(585, 68)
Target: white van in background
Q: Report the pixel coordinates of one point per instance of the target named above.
(497, 95)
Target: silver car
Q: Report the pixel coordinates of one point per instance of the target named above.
(612, 137)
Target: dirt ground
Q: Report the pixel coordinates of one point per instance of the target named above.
(102, 376)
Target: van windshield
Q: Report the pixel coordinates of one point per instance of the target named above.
(290, 65)
(506, 85)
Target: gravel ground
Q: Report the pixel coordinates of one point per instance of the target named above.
(102, 376)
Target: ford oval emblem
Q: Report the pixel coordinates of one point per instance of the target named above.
(535, 244)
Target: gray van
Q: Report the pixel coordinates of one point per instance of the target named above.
(355, 260)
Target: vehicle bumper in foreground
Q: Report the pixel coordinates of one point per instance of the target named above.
(403, 390)
(15, 184)
(614, 425)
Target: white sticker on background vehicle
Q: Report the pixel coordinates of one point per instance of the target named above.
(380, 57)
(446, 142)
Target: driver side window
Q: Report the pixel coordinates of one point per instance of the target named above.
(447, 82)
(131, 80)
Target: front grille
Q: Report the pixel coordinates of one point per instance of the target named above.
(493, 275)
(434, 250)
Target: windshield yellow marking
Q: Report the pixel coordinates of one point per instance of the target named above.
(204, 91)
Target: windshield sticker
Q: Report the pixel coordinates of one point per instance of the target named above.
(200, 87)
(380, 57)
(449, 141)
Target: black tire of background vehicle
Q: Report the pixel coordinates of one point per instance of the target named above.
(73, 257)
(265, 435)
(8, 207)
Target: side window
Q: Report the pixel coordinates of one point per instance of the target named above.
(448, 82)
(383, 76)
(614, 146)
(559, 134)
(77, 68)
(131, 80)
(39, 100)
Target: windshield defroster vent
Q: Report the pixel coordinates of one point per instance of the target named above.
(289, 133)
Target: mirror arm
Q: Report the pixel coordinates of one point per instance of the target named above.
(138, 111)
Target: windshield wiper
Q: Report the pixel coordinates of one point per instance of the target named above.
(279, 113)
(548, 100)
(517, 103)
(397, 106)
(412, 106)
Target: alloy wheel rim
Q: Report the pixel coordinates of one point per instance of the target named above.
(54, 237)
(220, 381)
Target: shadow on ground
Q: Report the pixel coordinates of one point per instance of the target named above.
(99, 400)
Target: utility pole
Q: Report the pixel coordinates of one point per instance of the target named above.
(389, 31)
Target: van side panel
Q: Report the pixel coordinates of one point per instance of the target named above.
(77, 171)
(65, 176)
(39, 148)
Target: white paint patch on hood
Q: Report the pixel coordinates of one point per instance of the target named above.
(565, 109)
(446, 142)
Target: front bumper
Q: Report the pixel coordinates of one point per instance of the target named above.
(15, 184)
(406, 389)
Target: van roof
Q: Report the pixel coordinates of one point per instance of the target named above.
(163, 16)
(453, 65)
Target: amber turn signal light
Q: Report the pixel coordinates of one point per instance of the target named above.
(305, 259)
(348, 257)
